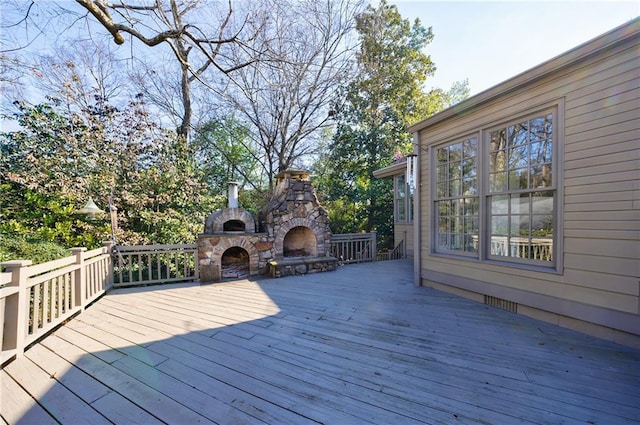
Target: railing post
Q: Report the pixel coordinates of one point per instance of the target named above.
(80, 276)
(109, 248)
(16, 307)
(374, 238)
(196, 266)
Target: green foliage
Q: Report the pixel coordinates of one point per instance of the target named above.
(16, 246)
(223, 153)
(49, 168)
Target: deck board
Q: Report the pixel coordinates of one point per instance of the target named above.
(358, 345)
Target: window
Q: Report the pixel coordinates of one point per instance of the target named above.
(456, 200)
(400, 199)
(497, 200)
(403, 200)
(521, 190)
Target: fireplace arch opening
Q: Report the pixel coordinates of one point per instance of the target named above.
(233, 226)
(234, 263)
(300, 241)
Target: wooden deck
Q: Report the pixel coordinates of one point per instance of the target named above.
(358, 345)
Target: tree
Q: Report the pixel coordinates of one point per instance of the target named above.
(195, 43)
(58, 158)
(224, 153)
(287, 97)
(386, 95)
(85, 75)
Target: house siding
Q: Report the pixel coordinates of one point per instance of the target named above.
(598, 279)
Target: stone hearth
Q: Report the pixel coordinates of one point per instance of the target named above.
(293, 237)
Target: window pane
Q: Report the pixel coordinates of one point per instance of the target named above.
(443, 190)
(471, 243)
(518, 157)
(400, 186)
(443, 172)
(471, 206)
(542, 226)
(499, 246)
(500, 204)
(443, 155)
(444, 224)
(498, 182)
(454, 188)
(497, 140)
(443, 240)
(457, 242)
(540, 176)
(471, 225)
(455, 170)
(469, 167)
(500, 225)
(401, 210)
(497, 161)
(520, 203)
(519, 225)
(517, 135)
(469, 187)
(519, 179)
(470, 147)
(455, 152)
(542, 203)
(443, 208)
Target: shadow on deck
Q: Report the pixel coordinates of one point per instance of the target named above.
(358, 345)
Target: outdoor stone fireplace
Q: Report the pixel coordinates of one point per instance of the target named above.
(293, 234)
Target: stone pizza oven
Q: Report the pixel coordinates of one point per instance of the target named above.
(293, 234)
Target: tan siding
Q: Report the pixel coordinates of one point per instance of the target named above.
(552, 286)
(626, 172)
(602, 247)
(613, 157)
(627, 185)
(601, 264)
(600, 178)
(602, 216)
(611, 196)
(602, 225)
(620, 89)
(604, 120)
(610, 114)
(621, 142)
(627, 234)
(605, 281)
(604, 75)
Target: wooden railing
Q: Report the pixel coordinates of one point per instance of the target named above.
(34, 299)
(354, 247)
(152, 264)
(396, 253)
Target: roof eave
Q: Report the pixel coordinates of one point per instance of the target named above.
(390, 170)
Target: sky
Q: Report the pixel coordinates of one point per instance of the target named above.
(490, 42)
